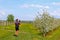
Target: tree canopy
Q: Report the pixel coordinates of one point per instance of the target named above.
(10, 17)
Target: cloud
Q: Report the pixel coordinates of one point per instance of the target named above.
(33, 6)
(56, 3)
(30, 5)
(24, 6)
(55, 13)
(47, 7)
(2, 13)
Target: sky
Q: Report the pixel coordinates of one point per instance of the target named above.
(28, 9)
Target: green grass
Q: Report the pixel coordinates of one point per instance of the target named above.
(26, 32)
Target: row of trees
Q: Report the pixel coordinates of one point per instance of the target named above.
(9, 20)
(45, 23)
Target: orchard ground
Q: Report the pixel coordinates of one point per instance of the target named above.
(27, 32)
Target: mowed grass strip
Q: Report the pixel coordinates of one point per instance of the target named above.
(27, 32)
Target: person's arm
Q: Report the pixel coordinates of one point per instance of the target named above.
(19, 22)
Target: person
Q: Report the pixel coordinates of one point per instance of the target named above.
(17, 23)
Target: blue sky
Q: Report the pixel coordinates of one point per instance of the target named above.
(27, 9)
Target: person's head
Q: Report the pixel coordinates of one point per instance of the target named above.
(16, 19)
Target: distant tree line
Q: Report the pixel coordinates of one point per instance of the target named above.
(8, 21)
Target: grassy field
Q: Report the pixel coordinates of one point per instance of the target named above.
(26, 32)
